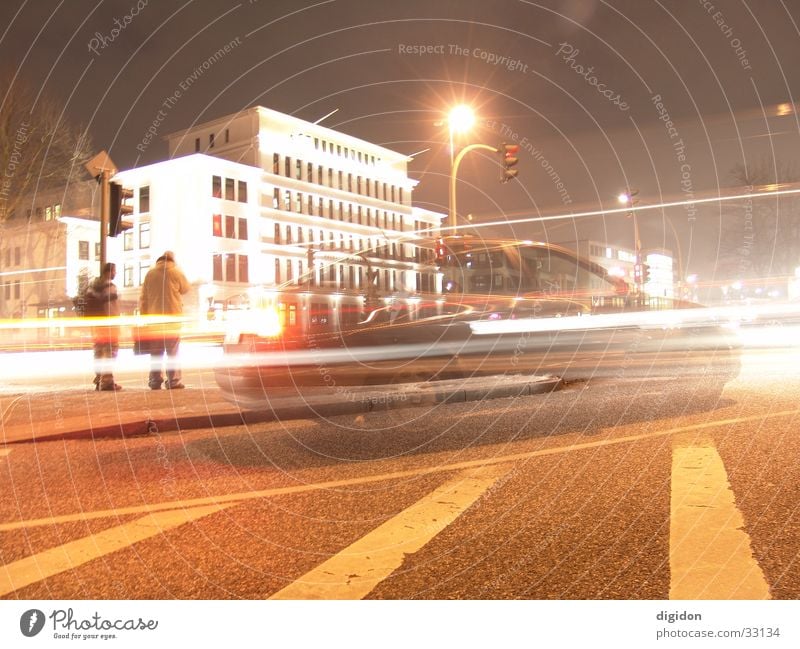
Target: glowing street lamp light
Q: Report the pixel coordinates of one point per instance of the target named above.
(461, 119)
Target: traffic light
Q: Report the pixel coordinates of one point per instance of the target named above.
(118, 209)
(441, 250)
(637, 273)
(645, 273)
(510, 159)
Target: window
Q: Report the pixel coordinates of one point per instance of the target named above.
(229, 190)
(277, 233)
(288, 270)
(7, 289)
(144, 235)
(210, 140)
(242, 228)
(97, 251)
(17, 293)
(216, 187)
(310, 172)
(227, 136)
(276, 198)
(127, 240)
(197, 145)
(277, 271)
(48, 213)
(144, 266)
(127, 275)
(83, 250)
(242, 191)
(230, 227)
(217, 268)
(287, 167)
(244, 275)
(276, 163)
(144, 199)
(298, 171)
(288, 234)
(216, 225)
(230, 268)
(57, 211)
(18, 254)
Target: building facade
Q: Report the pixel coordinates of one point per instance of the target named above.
(264, 207)
(620, 261)
(48, 248)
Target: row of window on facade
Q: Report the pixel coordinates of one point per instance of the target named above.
(17, 257)
(342, 151)
(382, 249)
(12, 288)
(343, 276)
(336, 210)
(212, 140)
(129, 237)
(48, 212)
(235, 190)
(83, 250)
(335, 179)
(611, 253)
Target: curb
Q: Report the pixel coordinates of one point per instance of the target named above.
(319, 406)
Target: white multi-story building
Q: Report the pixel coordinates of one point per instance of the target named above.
(264, 206)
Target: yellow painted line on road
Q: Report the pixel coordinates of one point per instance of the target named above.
(709, 552)
(383, 477)
(29, 570)
(355, 571)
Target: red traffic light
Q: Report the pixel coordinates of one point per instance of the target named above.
(509, 155)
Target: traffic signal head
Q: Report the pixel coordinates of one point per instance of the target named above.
(441, 250)
(118, 209)
(645, 273)
(509, 154)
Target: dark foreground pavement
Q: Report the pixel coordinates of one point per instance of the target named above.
(72, 414)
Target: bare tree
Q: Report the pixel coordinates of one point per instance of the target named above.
(38, 148)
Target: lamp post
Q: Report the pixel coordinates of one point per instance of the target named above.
(629, 198)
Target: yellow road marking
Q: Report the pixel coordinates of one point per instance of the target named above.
(396, 475)
(29, 570)
(709, 552)
(356, 570)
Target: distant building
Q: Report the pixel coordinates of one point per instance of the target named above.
(261, 206)
(49, 246)
(619, 261)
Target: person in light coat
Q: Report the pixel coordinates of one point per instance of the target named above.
(162, 294)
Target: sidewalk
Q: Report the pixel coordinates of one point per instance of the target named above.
(88, 414)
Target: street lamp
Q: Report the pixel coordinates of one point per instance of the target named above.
(629, 198)
(460, 120)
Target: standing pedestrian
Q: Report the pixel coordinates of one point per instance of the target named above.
(101, 300)
(162, 291)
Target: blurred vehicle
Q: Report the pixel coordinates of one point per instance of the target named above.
(505, 307)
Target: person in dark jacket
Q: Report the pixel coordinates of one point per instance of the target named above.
(102, 302)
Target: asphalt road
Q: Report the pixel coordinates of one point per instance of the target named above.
(616, 487)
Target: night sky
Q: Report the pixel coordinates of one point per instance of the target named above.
(586, 86)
